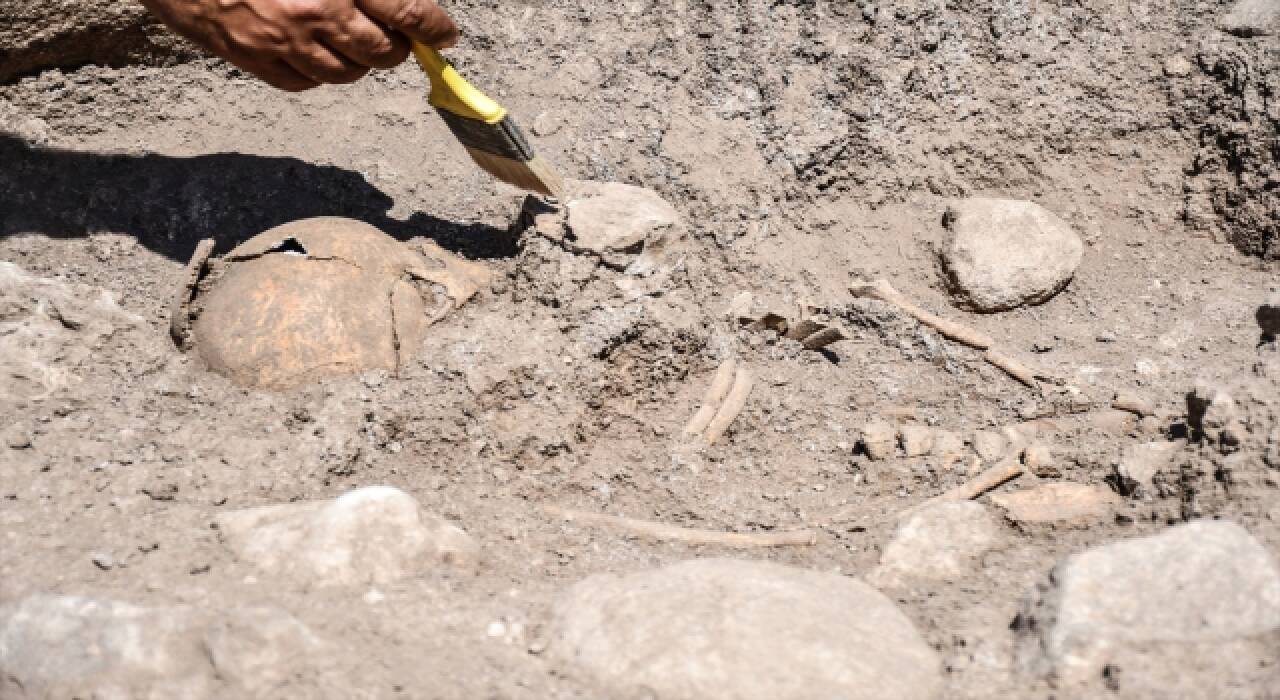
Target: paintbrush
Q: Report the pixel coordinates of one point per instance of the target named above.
(485, 129)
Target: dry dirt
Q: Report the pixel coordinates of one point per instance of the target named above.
(808, 145)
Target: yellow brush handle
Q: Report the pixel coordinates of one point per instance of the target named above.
(452, 92)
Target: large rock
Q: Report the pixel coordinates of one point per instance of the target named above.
(1004, 253)
(1184, 613)
(944, 541)
(373, 535)
(623, 226)
(68, 646)
(1250, 18)
(39, 34)
(722, 628)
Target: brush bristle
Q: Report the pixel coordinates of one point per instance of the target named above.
(534, 175)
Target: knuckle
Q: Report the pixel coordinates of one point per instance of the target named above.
(305, 10)
(409, 13)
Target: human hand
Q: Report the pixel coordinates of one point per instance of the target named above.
(299, 44)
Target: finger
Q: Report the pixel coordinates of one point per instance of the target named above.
(276, 73)
(422, 20)
(365, 42)
(325, 65)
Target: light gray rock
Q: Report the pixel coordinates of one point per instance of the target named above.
(917, 440)
(70, 646)
(1185, 613)
(1005, 253)
(989, 444)
(1250, 18)
(940, 542)
(621, 224)
(719, 629)
(373, 535)
(1139, 464)
(878, 439)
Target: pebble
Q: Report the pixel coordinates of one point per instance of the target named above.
(1038, 457)
(1057, 502)
(940, 542)
(917, 440)
(1178, 614)
(1252, 18)
(989, 444)
(372, 535)
(1138, 465)
(878, 439)
(723, 628)
(1004, 253)
(72, 646)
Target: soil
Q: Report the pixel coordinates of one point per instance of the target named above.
(808, 145)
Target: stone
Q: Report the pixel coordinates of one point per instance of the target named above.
(917, 440)
(1138, 465)
(1038, 457)
(318, 298)
(940, 542)
(71, 646)
(719, 629)
(1214, 416)
(369, 536)
(1251, 18)
(989, 444)
(948, 445)
(623, 226)
(1057, 502)
(1184, 613)
(878, 439)
(1002, 253)
(41, 34)
(1268, 315)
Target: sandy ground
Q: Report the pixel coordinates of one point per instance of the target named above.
(807, 145)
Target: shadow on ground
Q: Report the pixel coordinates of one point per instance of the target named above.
(169, 204)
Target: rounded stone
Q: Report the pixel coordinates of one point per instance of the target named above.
(723, 628)
(1004, 253)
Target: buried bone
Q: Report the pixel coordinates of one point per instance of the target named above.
(722, 403)
(314, 299)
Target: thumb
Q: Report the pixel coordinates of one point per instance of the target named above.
(420, 20)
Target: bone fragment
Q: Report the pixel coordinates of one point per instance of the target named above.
(732, 406)
(1134, 404)
(720, 385)
(1012, 367)
(673, 533)
(179, 311)
(985, 481)
(882, 290)
(822, 338)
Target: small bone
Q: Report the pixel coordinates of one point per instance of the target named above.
(673, 533)
(882, 290)
(822, 338)
(731, 407)
(720, 384)
(1006, 470)
(179, 311)
(1013, 368)
(1134, 404)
